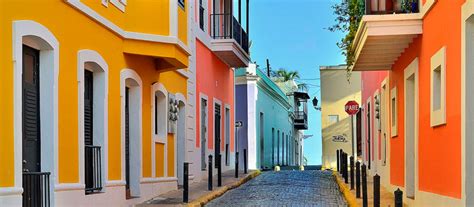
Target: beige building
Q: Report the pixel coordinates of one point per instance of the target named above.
(338, 130)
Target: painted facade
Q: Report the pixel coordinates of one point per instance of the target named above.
(218, 51)
(338, 129)
(268, 133)
(421, 80)
(84, 88)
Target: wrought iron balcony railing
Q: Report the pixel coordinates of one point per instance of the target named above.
(36, 189)
(374, 7)
(93, 174)
(226, 26)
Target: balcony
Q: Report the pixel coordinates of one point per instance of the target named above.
(301, 110)
(229, 40)
(386, 30)
(301, 120)
(36, 189)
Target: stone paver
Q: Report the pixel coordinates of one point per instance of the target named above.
(196, 189)
(285, 188)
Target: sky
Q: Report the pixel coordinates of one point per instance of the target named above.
(292, 34)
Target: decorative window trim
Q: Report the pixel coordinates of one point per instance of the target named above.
(119, 4)
(438, 62)
(227, 130)
(105, 3)
(136, 130)
(29, 32)
(100, 68)
(162, 135)
(393, 112)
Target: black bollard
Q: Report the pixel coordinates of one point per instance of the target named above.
(209, 178)
(352, 172)
(398, 198)
(376, 190)
(236, 164)
(245, 161)
(346, 177)
(365, 202)
(186, 182)
(338, 162)
(357, 179)
(341, 163)
(219, 170)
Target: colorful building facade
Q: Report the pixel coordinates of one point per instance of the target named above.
(221, 43)
(339, 129)
(94, 101)
(416, 70)
(268, 134)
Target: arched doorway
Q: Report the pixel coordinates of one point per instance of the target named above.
(131, 98)
(36, 69)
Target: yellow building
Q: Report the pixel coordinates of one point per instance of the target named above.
(92, 100)
(338, 128)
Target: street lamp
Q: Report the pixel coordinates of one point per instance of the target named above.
(315, 104)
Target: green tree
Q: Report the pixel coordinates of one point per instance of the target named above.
(286, 75)
(348, 16)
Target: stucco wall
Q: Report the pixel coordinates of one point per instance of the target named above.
(336, 91)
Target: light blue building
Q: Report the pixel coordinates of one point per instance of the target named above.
(269, 133)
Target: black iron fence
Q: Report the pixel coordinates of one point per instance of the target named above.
(226, 26)
(36, 189)
(93, 174)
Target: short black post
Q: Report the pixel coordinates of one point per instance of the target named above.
(346, 173)
(376, 190)
(185, 182)
(338, 162)
(219, 170)
(245, 161)
(209, 178)
(352, 172)
(398, 198)
(236, 164)
(365, 201)
(357, 179)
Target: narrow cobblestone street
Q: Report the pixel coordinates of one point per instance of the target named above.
(285, 188)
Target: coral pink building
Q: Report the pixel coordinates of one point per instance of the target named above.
(417, 92)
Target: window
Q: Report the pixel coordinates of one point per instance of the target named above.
(332, 119)
(182, 4)
(160, 114)
(202, 12)
(438, 88)
(393, 114)
(120, 4)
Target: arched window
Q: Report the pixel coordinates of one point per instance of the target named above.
(92, 75)
(36, 69)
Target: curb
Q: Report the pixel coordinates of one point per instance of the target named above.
(350, 198)
(203, 200)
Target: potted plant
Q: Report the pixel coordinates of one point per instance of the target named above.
(410, 6)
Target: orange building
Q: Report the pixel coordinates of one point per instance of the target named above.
(417, 92)
(221, 44)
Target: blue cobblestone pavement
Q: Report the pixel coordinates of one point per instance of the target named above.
(285, 188)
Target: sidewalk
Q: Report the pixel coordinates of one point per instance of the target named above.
(198, 193)
(386, 197)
